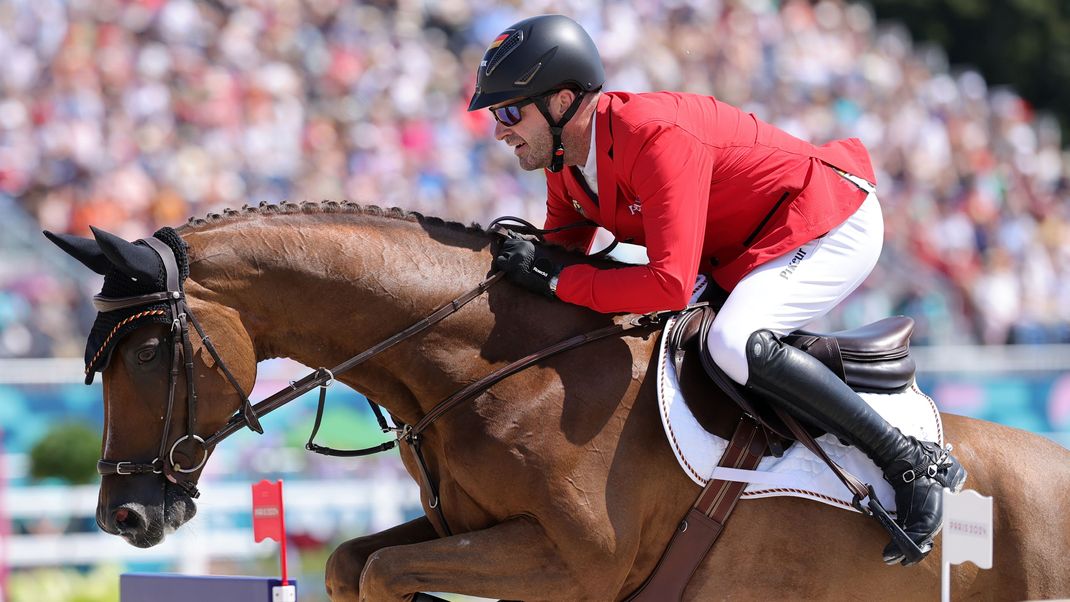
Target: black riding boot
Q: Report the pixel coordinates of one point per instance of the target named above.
(918, 471)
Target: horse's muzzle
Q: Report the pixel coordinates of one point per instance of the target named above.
(139, 525)
(146, 524)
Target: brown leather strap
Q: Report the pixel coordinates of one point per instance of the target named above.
(481, 385)
(704, 521)
(322, 375)
(744, 451)
(825, 348)
(853, 483)
(105, 304)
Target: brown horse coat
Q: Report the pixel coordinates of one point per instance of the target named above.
(558, 482)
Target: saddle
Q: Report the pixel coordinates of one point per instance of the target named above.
(873, 358)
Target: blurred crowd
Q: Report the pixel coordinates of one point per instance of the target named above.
(133, 114)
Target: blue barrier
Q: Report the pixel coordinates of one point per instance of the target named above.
(162, 587)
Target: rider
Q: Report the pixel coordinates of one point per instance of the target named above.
(787, 227)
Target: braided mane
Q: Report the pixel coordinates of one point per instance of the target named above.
(284, 208)
(321, 208)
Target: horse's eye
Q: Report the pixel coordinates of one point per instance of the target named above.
(146, 354)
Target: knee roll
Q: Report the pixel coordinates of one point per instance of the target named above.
(762, 350)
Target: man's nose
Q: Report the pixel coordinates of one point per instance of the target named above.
(500, 130)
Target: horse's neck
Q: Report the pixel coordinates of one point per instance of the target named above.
(320, 293)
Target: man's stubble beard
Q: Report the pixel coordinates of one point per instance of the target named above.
(540, 148)
(538, 153)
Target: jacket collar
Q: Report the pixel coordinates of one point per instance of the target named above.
(607, 177)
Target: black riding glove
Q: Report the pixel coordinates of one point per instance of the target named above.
(526, 265)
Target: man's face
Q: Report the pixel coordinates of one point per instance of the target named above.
(530, 137)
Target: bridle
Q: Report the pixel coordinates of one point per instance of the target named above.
(180, 317)
(249, 414)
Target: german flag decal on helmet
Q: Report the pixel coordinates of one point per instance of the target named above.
(500, 48)
(498, 41)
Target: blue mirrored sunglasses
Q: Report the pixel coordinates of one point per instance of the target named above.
(509, 115)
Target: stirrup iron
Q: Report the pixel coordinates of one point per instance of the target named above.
(911, 551)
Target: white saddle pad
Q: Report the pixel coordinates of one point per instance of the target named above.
(798, 473)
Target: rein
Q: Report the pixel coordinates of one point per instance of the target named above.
(249, 414)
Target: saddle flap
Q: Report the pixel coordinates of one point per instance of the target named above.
(705, 392)
(711, 408)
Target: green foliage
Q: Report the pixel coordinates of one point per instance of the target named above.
(1021, 43)
(68, 452)
(101, 584)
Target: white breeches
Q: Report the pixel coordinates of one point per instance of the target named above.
(786, 293)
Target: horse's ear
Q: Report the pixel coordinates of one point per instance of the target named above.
(85, 250)
(138, 262)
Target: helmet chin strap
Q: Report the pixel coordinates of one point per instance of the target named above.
(557, 159)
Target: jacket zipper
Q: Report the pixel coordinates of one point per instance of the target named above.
(768, 216)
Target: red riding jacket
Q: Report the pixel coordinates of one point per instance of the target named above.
(704, 187)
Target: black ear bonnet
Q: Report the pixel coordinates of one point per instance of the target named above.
(111, 326)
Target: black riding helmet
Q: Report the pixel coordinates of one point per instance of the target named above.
(536, 56)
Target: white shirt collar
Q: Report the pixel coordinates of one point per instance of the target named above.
(590, 168)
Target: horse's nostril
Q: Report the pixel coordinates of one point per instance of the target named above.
(127, 521)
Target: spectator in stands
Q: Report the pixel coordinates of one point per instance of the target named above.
(138, 114)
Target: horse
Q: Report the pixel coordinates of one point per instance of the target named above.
(557, 483)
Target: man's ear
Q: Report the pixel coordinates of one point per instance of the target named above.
(561, 102)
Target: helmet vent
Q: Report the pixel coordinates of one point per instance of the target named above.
(507, 47)
(525, 79)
